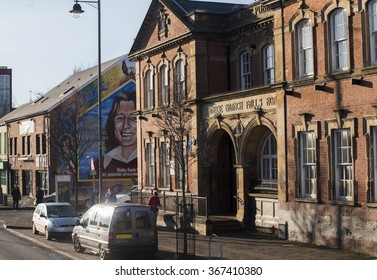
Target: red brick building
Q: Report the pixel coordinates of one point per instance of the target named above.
(284, 112)
(331, 119)
(65, 116)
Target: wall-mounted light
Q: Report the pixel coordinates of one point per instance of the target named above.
(289, 91)
(150, 133)
(357, 80)
(155, 115)
(142, 117)
(188, 110)
(172, 113)
(321, 86)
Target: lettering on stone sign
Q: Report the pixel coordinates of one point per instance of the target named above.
(254, 104)
(270, 101)
(215, 110)
(237, 106)
(261, 9)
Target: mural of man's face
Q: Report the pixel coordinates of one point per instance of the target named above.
(125, 124)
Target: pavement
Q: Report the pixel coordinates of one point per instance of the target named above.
(242, 245)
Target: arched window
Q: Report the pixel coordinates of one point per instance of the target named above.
(339, 40)
(269, 64)
(269, 166)
(305, 48)
(164, 85)
(180, 81)
(245, 63)
(149, 90)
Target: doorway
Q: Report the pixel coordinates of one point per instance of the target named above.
(223, 187)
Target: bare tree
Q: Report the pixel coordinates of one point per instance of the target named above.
(72, 135)
(175, 121)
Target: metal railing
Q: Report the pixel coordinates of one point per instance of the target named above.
(220, 246)
(169, 201)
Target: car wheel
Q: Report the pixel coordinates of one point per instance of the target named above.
(47, 234)
(35, 231)
(102, 254)
(77, 245)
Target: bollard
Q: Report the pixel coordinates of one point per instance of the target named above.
(5, 200)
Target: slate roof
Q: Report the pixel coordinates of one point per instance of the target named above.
(59, 93)
(209, 7)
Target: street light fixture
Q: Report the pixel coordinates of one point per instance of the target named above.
(77, 11)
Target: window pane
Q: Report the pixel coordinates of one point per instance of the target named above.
(269, 159)
(344, 167)
(245, 70)
(308, 165)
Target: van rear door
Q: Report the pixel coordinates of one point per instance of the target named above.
(133, 227)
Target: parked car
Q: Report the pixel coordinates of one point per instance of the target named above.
(83, 195)
(114, 228)
(54, 219)
(125, 196)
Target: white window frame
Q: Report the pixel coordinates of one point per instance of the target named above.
(343, 165)
(308, 164)
(165, 164)
(245, 63)
(164, 83)
(151, 156)
(339, 40)
(374, 197)
(180, 80)
(269, 64)
(269, 157)
(372, 9)
(149, 89)
(305, 48)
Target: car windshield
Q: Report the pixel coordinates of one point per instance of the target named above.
(61, 211)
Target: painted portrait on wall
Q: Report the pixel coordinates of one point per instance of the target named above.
(118, 102)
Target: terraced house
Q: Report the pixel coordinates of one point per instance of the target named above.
(282, 97)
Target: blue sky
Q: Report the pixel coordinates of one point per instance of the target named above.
(43, 43)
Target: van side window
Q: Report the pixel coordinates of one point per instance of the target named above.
(95, 218)
(104, 221)
(85, 219)
(124, 219)
(142, 220)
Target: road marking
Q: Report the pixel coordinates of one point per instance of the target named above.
(43, 244)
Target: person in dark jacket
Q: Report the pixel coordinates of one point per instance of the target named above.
(16, 195)
(40, 194)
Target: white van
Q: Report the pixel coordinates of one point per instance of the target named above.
(112, 228)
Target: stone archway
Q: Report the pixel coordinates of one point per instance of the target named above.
(222, 185)
(259, 156)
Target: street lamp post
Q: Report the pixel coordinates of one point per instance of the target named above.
(76, 11)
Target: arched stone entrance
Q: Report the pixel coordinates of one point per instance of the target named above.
(222, 188)
(259, 156)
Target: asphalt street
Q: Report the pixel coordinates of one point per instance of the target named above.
(231, 246)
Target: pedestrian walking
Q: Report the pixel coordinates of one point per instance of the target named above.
(39, 196)
(110, 196)
(154, 204)
(16, 195)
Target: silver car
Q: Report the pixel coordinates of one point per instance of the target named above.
(54, 219)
